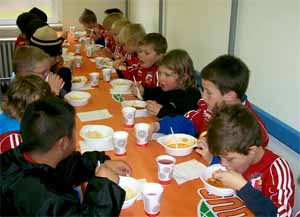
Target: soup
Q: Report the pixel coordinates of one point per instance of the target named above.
(78, 80)
(75, 97)
(130, 193)
(215, 182)
(180, 143)
(93, 134)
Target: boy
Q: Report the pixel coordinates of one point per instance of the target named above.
(37, 178)
(151, 50)
(260, 177)
(32, 60)
(225, 81)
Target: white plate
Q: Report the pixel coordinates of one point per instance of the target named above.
(134, 187)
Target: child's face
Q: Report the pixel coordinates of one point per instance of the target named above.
(211, 94)
(131, 47)
(168, 79)
(236, 161)
(114, 34)
(148, 56)
(42, 69)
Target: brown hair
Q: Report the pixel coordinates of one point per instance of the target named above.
(181, 63)
(110, 19)
(88, 16)
(25, 58)
(228, 73)
(22, 91)
(131, 32)
(157, 40)
(233, 129)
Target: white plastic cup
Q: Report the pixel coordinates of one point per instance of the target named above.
(76, 36)
(165, 167)
(72, 29)
(89, 51)
(77, 48)
(141, 133)
(99, 62)
(120, 139)
(94, 79)
(78, 61)
(64, 51)
(152, 194)
(106, 74)
(128, 114)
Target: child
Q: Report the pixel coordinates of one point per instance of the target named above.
(225, 81)
(116, 27)
(129, 38)
(32, 60)
(37, 177)
(22, 91)
(177, 92)
(113, 10)
(89, 21)
(151, 51)
(260, 177)
(46, 39)
(41, 14)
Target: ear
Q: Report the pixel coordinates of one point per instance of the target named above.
(230, 97)
(253, 149)
(61, 144)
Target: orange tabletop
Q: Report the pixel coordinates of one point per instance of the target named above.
(177, 200)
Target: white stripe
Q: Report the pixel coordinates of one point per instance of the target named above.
(11, 141)
(279, 185)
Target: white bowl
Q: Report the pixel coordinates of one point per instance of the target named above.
(139, 105)
(211, 188)
(77, 98)
(121, 84)
(180, 138)
(78, 82)
(132, 188)
(97, 135)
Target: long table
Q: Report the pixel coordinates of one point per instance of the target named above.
(177, 200)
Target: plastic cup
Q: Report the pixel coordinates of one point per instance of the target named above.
(76, 36)
(89, 51)
(72, 29)
(77, 48)
(78, 61)
(64, 51)
(129, 114)
(165, 166)
(94, 79)
(106, 74)
(99, 62)
(141, 133)
(120, 139)
(152, 194)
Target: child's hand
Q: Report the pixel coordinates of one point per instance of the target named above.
(154, 127)
(95, 34)
(117, 63)
(104, 171)
(230, 179)
(55, 82)
(153, 107)
(202, 149)
(134, 89)
(119, 166)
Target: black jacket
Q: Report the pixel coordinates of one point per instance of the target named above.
(30, 189)
(174, 102)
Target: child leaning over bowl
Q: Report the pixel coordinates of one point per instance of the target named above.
(45, 168)
(177, 92)
(261, 178)
(225, 81)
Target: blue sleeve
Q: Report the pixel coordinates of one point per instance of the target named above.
(179, 124)
(100, 41)
(215, 160)
(256, 201)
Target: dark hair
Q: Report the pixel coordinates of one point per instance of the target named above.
(45, 121)
(228, 73)
(23, 19)
(113, 10)
(32, 26)
(159, 42)
(181, 63)
(41, 14)
(88, 16)
(233, 129)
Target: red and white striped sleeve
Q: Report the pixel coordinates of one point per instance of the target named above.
(281, 187)
(9, 140)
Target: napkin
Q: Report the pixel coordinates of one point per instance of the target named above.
(94, 115)
(114, 91)
(187, 171)
(85, 148)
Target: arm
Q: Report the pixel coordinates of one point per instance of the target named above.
(179, 123)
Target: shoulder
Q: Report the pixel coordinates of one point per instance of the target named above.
(9, 123)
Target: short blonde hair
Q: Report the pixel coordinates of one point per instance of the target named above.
(22, 91)
(88, 16)
(119, 24)
(26, 58)
(110, 19)
(131, 32)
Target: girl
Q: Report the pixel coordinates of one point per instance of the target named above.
(177, 92)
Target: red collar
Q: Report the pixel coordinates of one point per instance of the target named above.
(27, 157)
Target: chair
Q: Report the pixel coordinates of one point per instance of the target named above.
(9, 140)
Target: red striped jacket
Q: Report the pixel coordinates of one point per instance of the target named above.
(9, 140)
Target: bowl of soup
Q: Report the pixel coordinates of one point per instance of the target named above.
(97, 135)
(77, 98)
(178, 144)
(213, 185)
(121, 84)
(78, 82)
(132, 188)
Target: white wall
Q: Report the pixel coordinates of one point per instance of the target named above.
(269, 42)
(72, 9)
(145, 12)
(199, 26)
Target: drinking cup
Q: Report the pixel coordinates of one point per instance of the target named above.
(106, 74)
(77, 48)
(129, 114)
(165, 166)
(152, 194)
(120, 139)
(78, 61)
(141, 133)
(94, 79)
